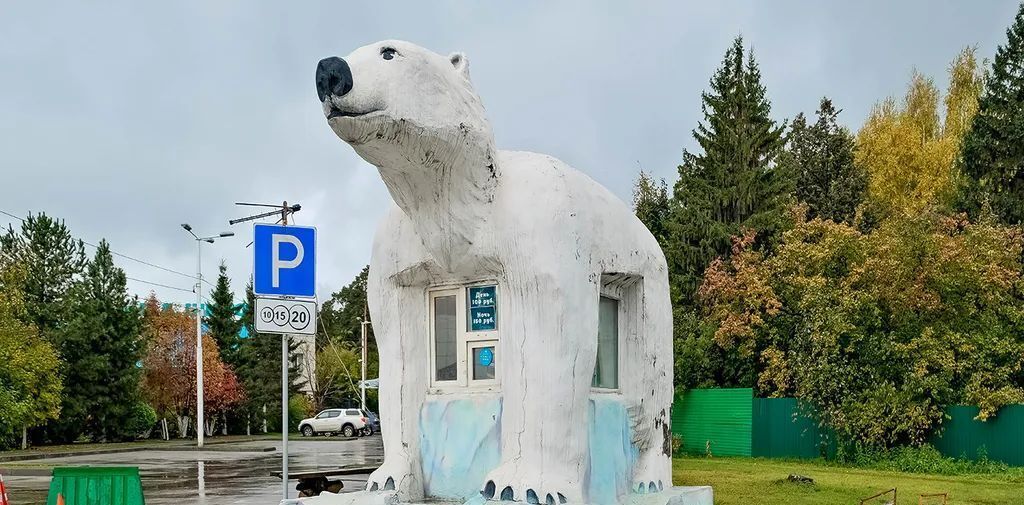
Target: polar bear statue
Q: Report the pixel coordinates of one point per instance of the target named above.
(523, 417)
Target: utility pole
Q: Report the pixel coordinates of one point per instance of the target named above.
(200, 428)
(200, 422)
(285, 210)
(285, 340)
(362, 383)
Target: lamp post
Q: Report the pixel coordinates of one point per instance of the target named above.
(200, 428)
(363, 359)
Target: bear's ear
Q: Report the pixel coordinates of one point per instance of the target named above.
(460, 63)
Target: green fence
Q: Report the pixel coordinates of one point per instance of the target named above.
(731, 422)
(782, 430)
(715, 421)
(1000, 438)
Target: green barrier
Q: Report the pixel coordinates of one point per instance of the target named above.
(95, 485)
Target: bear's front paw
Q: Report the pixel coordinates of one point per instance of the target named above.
(511, 482)
(391, 476)
(647, 475)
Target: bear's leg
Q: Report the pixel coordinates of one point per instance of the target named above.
(650, 388)
(549, 345)
(398, 314)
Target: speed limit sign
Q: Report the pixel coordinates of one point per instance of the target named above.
(284, 315)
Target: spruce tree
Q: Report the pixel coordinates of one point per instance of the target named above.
(650, 203)
(102, 345)
(820, 156)
(733, 184)
(221, 320)
(993, 150)
(53, 260)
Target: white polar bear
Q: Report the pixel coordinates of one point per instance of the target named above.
(551, 239)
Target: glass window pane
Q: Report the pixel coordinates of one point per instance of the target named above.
(483, 363)
(445, 339)
(606, 370)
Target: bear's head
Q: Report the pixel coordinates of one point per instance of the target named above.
(403, 107)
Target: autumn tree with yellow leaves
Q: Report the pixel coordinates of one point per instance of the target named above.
(910, 151)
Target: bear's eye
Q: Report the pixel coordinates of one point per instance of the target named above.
(387, 53)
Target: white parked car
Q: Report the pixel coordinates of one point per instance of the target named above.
(348, 422)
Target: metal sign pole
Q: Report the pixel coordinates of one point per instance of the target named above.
(284, 414)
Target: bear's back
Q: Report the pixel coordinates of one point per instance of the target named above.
(540, 191)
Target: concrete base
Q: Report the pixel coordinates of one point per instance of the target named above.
(679, 495)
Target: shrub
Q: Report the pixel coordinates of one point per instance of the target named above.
(925, 459)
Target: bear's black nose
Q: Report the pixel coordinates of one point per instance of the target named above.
(333, 77)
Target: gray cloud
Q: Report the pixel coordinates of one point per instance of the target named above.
(128, 119)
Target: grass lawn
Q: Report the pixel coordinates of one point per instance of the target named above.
(746, 481)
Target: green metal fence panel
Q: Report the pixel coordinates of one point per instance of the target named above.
(1000, 438)
(94, 485)
(782, 430)
(715, 420)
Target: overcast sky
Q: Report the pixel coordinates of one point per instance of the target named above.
(130, 118)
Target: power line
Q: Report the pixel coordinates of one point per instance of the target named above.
(12, 258)
(12, 215)
(158, 284)
(125, 256)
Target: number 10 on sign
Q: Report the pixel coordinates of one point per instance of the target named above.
(283, 315)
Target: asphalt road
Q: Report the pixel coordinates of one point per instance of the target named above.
(241, 475)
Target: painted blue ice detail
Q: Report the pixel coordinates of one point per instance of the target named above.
(612, 455)
(461, 443)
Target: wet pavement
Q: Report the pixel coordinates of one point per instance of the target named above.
(223, 477)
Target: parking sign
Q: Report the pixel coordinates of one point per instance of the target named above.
(284, 260)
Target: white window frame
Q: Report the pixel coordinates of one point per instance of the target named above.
(627, 289)
(619, 332)
(460, 328)
(479, 344)
(465, 340)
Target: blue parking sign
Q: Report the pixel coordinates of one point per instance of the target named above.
(284, 260)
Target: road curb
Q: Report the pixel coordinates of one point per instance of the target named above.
(26, 472)
(217, 449)
(212, 446)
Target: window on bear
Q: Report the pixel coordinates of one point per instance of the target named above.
(464, 336)
(606, 370)
(445, 338)
(483, 363)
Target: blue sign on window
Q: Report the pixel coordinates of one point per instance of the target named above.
(486, 356)
(483, 308)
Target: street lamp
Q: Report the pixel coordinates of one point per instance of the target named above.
(199, 325)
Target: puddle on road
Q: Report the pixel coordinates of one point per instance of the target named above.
(217, 477)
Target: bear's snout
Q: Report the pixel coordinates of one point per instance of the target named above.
(333, 77)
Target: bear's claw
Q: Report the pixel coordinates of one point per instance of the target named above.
(388, 478)
(648, 487)
(505, 484)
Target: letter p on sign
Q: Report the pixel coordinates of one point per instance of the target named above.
(284, 260)
(277, 263)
